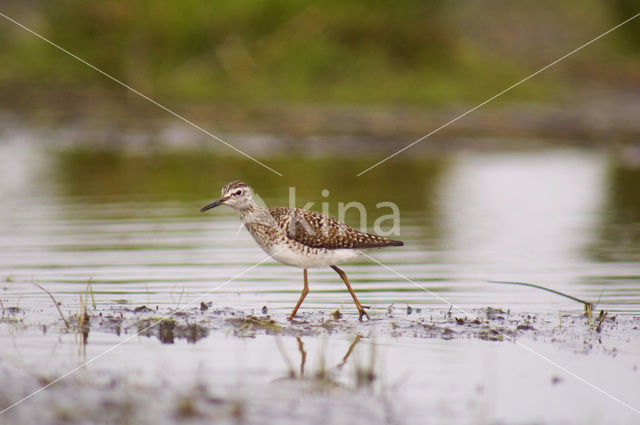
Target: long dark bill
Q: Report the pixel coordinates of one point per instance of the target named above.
(212, 205)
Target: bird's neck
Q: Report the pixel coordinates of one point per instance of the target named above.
(253, 215)
(251, 209)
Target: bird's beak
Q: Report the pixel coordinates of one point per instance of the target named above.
(212, 205)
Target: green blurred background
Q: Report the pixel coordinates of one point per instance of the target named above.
(270, 65)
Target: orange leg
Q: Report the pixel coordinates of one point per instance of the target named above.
(359, 306)
(305, 291)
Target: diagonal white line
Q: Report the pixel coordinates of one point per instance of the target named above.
(499, 94)
(175, 114)
(529, 349)
(91, 360)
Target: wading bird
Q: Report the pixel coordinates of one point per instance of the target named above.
(300, 238)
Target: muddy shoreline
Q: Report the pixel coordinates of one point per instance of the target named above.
(593, 119)
(343, 383)
(193, 324)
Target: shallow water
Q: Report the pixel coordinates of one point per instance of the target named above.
(129, 223)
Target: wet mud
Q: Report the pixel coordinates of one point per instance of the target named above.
(344, 385)
(575, 330)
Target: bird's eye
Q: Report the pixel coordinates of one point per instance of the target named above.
(239, 192)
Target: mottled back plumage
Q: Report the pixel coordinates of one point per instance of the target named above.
(319, 231)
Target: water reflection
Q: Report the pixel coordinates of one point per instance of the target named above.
(618, 232)
(324, 376)
(522, 210)
(566, 219)
(96, 174)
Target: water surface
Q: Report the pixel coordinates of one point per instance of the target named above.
(129, 223)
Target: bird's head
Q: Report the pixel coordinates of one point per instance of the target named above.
(237, 195)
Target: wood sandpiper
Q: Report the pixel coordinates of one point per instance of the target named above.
(300, 238)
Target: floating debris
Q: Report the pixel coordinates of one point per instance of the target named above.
(525, 327)
(192, 325)
(142, 309)
(247, 325)
(167, 329)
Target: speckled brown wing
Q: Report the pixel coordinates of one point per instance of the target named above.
(318, 231)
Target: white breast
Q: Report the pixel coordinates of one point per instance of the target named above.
(316, 257)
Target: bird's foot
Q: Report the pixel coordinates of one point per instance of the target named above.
(363, 313)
